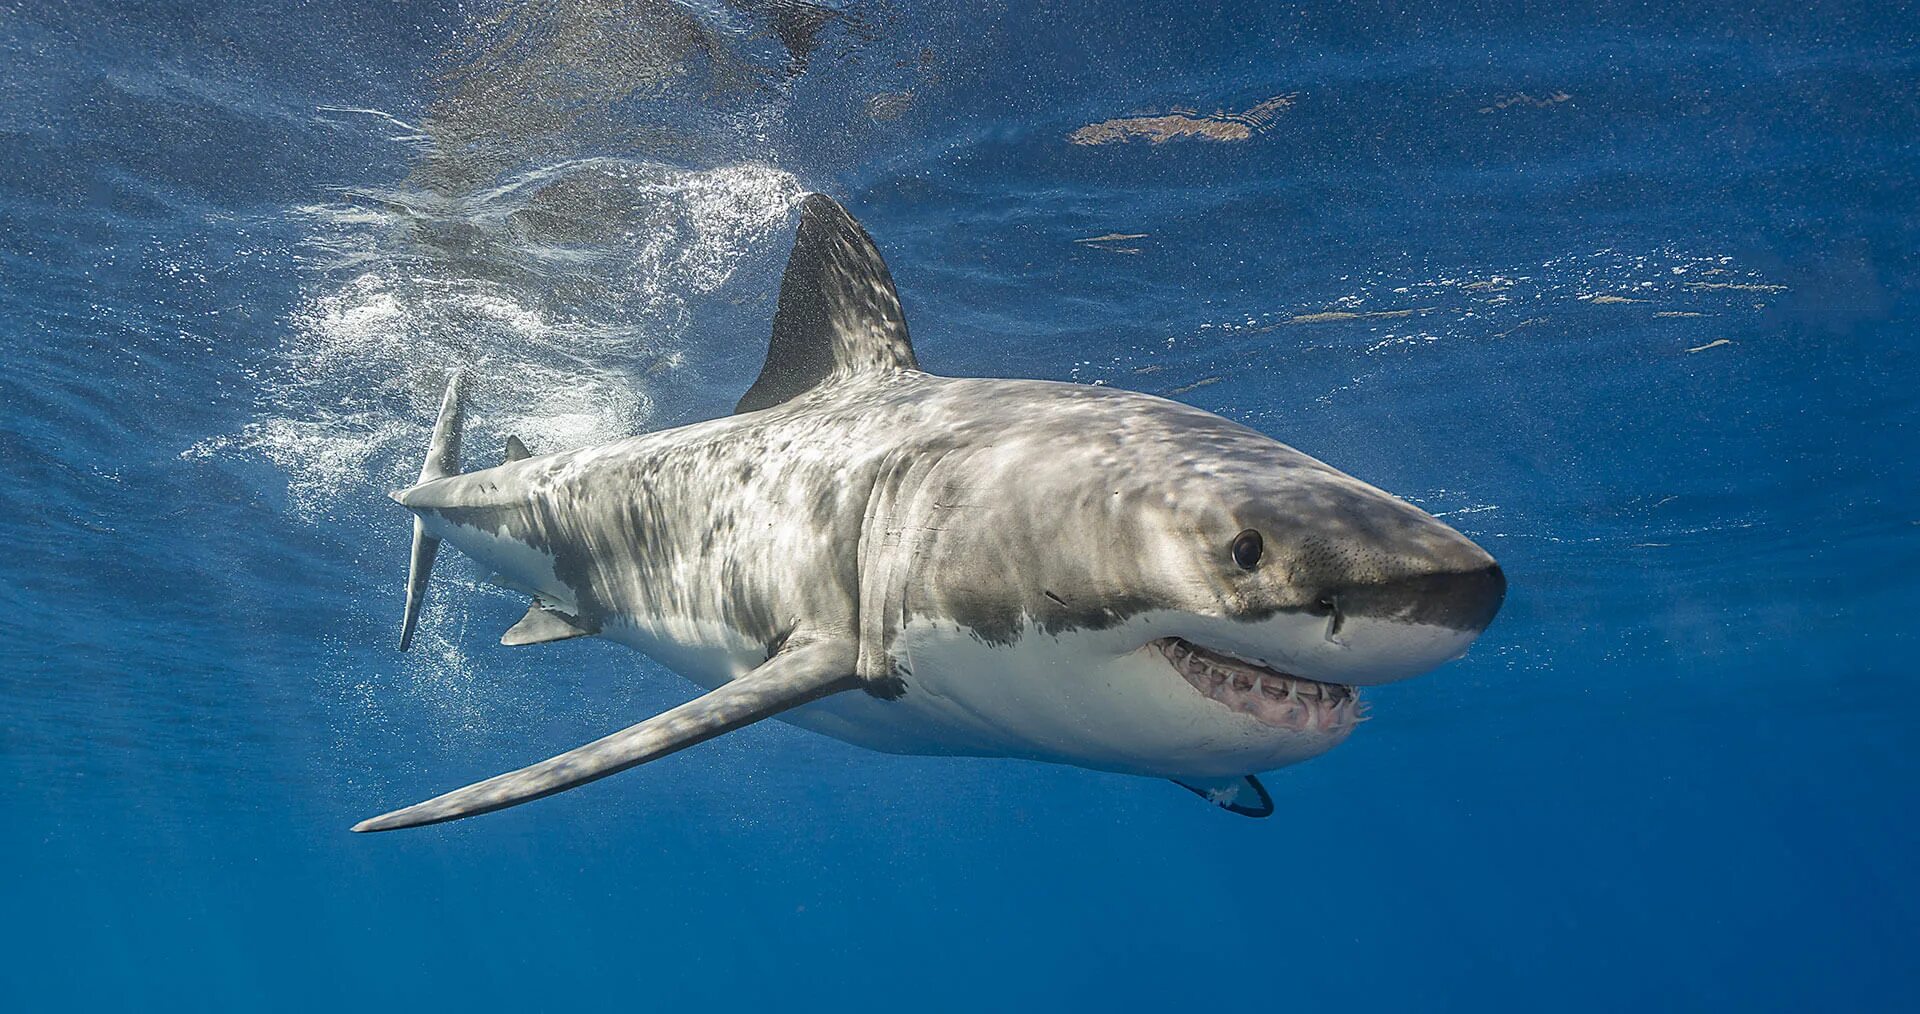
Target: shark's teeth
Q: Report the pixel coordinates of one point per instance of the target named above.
(1274, 698)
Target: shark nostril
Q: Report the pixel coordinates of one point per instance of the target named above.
(1327, 604)
(1331, 603)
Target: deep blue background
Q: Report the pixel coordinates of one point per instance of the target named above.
(1676, 774)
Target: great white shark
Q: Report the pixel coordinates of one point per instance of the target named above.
(932, 565)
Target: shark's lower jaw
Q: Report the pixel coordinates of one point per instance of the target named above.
(1274, 698)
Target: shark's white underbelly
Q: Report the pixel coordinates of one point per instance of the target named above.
(712, 654)
(1037, 699)
(1094, 699)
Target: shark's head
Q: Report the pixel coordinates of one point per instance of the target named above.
(1286, 564)
(1185, 595)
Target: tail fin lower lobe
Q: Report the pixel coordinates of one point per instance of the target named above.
(443, 459)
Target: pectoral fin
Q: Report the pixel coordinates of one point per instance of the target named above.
(1243, 795)
(796, 675)
(541, 625)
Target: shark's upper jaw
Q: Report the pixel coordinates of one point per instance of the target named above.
(1274, 698)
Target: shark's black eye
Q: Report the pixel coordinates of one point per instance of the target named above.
(1247, 547)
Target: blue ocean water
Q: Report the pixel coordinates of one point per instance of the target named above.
(1624, 292)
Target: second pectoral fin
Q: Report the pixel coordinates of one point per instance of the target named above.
(1243, 795)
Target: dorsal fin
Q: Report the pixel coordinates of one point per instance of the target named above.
(517, 451)
(838, 315)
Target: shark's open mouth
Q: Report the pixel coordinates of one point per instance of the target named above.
(1275, 698)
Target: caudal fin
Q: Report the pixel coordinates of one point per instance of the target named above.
(443, 459)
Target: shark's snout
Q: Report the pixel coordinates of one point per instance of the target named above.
(1463, 600)
(1378, 591)
(1427, 611)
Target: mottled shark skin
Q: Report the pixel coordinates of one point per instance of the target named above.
(929, 565)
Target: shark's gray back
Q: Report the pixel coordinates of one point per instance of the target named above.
(870, 500)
